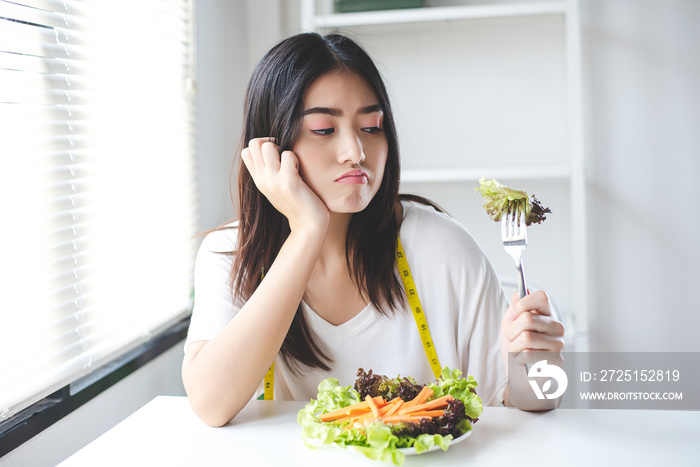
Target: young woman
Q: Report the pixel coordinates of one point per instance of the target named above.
(307, 276)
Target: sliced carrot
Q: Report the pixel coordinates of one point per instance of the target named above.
(394, 411)
(345, 411)
(423, 395)
(372, 406)
(439, 403)
(420, 398)
(394, 408)
(427, 413)
(389, 406)
(402, 418)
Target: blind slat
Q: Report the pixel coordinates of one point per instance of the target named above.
(99, 135)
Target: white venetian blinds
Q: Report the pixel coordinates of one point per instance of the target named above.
(97, 191)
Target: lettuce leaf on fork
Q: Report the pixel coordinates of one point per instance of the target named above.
(501, 200)
(384, 442)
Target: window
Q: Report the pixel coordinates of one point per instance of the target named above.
(97, 185)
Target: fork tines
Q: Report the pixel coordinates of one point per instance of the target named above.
(513, 229)
(514, 238)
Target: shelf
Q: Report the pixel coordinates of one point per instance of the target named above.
(544, 172)
(428, 14)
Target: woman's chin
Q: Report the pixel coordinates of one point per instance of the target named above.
(349, 205)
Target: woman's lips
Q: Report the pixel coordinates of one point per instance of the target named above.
(354, 177)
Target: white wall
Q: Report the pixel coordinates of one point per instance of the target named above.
(231, 39)
(642, 74)
(222, 65)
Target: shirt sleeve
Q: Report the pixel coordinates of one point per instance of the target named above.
(213, 299)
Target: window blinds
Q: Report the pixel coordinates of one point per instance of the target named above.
(97, 185)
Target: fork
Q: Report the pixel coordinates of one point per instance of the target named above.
(514, 237)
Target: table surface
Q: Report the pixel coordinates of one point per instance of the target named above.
(167, 432)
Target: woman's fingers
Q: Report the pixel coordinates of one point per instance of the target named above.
(270, 156)
(529, 325)
(536, 301)
(261, 153)
(535, 332)
(528, 322)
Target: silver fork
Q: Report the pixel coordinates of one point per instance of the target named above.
(514, 237)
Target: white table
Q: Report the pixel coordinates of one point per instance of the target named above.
(166, 432)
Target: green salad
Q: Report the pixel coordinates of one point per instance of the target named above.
(501, 200)
(382, 438)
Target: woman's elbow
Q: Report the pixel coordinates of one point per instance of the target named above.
(213, 415)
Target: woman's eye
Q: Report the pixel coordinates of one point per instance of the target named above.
(323, 131)
(372, 129)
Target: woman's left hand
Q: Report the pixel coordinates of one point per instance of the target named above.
(528, 325)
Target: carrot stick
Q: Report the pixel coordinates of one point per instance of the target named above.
(420, 398)
(423, 395)
(372, 406)
(394, 408)
(439, 403)
(427, 413)
(388, 407)
(402, 418)
(345, 411)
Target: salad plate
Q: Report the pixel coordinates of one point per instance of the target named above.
(370, 417)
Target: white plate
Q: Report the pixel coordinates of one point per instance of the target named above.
(412, 451)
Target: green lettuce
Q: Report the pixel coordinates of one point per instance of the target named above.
(501, 201)
(451, 382)
(377, 441)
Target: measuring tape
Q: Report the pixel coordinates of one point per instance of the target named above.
(417, 309)
(413, 301)
(269, 393)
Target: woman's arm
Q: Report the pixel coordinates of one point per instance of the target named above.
(221, 375)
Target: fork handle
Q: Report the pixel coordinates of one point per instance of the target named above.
(522, 288)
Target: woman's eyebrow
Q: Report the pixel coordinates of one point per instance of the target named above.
(338, 113)
(323, 110)
(370, 109)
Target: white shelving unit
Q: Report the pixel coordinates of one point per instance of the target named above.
(552, 153)
(323, 17)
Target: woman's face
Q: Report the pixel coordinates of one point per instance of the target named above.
(342, 148)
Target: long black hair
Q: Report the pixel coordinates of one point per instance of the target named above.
(273, 108)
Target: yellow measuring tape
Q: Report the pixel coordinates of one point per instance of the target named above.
(269, 393)
(413, 301)
(417, 309)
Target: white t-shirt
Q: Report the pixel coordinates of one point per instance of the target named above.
(463, 303)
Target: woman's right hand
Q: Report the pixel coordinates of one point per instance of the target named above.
(277, 177)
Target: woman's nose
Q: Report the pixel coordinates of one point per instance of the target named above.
(350, 149)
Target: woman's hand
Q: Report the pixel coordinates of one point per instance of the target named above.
(528, 326)
(277, 177)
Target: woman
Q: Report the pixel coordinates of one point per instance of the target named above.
(307, 278)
